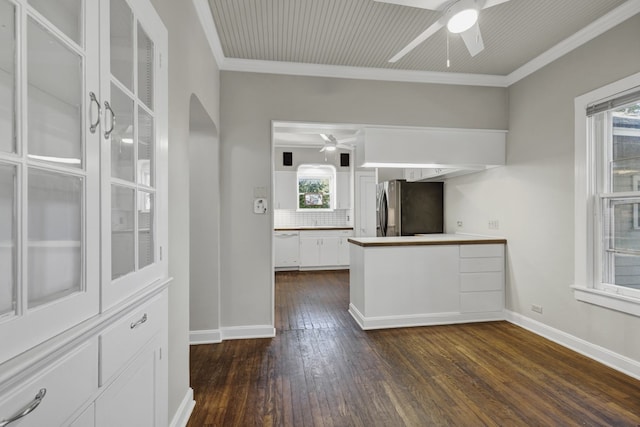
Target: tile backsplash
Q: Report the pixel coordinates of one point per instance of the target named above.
(292, 218)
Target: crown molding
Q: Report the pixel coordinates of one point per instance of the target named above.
(596, 28)
(203, 10)
(591, 31)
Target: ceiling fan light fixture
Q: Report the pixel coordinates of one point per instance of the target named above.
(463, 20)
(330, 147)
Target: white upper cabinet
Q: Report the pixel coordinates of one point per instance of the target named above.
(58, 97)
(286, 190)
(446, 149)
(343, 188)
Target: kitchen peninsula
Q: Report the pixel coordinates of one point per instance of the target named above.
(426, 280)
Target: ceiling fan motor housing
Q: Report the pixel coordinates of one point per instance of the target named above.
(461, 16)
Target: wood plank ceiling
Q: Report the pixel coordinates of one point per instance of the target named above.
(365, 33)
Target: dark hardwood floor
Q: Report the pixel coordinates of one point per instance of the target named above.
(322, 370)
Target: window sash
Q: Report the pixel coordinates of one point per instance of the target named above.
(610, 255)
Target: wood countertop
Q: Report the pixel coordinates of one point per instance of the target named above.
(427, 239)
(320, 228)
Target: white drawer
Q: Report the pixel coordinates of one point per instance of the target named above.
(474, 282)
(69, 383)
(122, 340)
(479, 265)
(481, 302)
(479, 251)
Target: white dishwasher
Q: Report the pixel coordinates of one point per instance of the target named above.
(287, 250)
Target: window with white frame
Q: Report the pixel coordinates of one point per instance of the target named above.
(615, 129)
(316, 187)
(608, 196)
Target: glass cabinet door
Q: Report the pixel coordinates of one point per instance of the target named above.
(49, 169)
(131, 253)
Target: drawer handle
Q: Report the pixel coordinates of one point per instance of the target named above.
(136, 324)
(29, 408)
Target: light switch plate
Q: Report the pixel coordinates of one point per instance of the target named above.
(260, 206)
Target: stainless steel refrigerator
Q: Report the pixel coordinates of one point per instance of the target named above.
(407, 208)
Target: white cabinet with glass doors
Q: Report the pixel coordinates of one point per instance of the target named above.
(83, 133)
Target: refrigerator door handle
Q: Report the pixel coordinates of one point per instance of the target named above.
(383, 214)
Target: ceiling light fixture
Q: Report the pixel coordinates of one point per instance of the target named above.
(462, 15)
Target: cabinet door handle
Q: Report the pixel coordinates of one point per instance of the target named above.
(107, 107)
(94, 126)
(136, 324)
(27, 409)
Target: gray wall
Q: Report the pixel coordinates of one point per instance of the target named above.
(192, 70)
(251, 101)
(204, 220)
(533, 195)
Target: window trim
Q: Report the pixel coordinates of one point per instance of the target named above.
(586, 235)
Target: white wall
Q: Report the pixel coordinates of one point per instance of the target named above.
(532, 197)
(192, 70)
(251, 101)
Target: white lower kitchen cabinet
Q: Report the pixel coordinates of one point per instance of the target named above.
(481, 278)
(134, 397)
(343, 250)
(426, 280)
(309, 250)
(324, 249)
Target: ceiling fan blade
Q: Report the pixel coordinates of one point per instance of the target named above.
(347, 140)
(422, 37)
(421, 4)
(325, 137)
(490, 3)
(473, 40)
(323, 148)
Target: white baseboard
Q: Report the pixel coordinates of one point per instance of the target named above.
(215, 336)
(181, 417)
(245, 332)
(384, 322)
(211, 336)
(325, 267)
(607, 357)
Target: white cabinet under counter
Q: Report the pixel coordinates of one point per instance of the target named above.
(311, 248)
(324, 249)
(426, 280)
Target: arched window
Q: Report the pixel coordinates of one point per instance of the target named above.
(316, 187)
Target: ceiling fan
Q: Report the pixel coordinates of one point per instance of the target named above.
(459, 16)
(331, 143)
